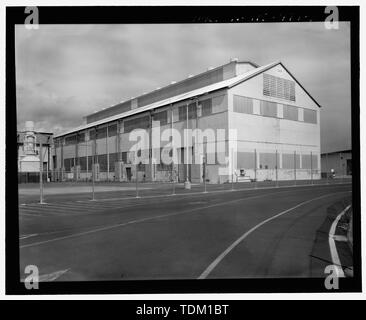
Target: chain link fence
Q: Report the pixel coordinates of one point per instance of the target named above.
(244, 169)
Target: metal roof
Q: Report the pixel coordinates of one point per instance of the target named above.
(184, 96)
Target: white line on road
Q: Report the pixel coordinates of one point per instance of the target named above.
(52, 276)
(25, 236)
(246, 234)
(332, 246)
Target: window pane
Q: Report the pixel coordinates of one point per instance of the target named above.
(268, 160)
(82, 163)
(161, 116)
(245, 160)
(101, 133)
(243, 104)
(112, 130)
(81, 137)
(138, 123)
(268, 108)
(182, 113)
(112, 160)
(288, 160)
(290, 112)
(310, 116)
(206, 106)
(192, 111)
(69, 140)
(309, 162)
(102, 160)
(92, 134)
(124, 157)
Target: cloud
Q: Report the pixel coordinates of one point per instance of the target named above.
(65, 72)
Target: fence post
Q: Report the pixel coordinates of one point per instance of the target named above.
(93, 168)
(204, 172)
(173, 178)
(295, 166)
(341, 166)
(276, 168)
(326, 162)
(232, 169)
(311, 166)
(137, 181)
(255, 168)
(41, 174)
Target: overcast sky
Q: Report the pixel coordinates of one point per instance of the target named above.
(64, 72)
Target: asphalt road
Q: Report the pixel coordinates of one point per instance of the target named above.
(223, 234)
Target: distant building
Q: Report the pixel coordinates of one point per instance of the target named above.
(277, 123)
(340, 162)
(29, 142)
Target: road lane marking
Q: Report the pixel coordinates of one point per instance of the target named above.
(213, 265)
(147, 219)
(26, 236)
(52, 276)
(332, 246)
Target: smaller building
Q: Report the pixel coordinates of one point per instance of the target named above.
(337, 162)
(29, 142)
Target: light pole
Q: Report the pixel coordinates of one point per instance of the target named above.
(187, 183)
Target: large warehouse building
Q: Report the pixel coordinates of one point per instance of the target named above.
(274, 120)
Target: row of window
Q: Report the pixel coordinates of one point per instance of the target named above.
(269, 109)
(141, 123)
(206, 110)
(246, 160)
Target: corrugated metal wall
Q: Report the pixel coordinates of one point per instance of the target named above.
(119, 108)
(187, 85)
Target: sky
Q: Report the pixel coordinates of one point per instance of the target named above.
(65, 72)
